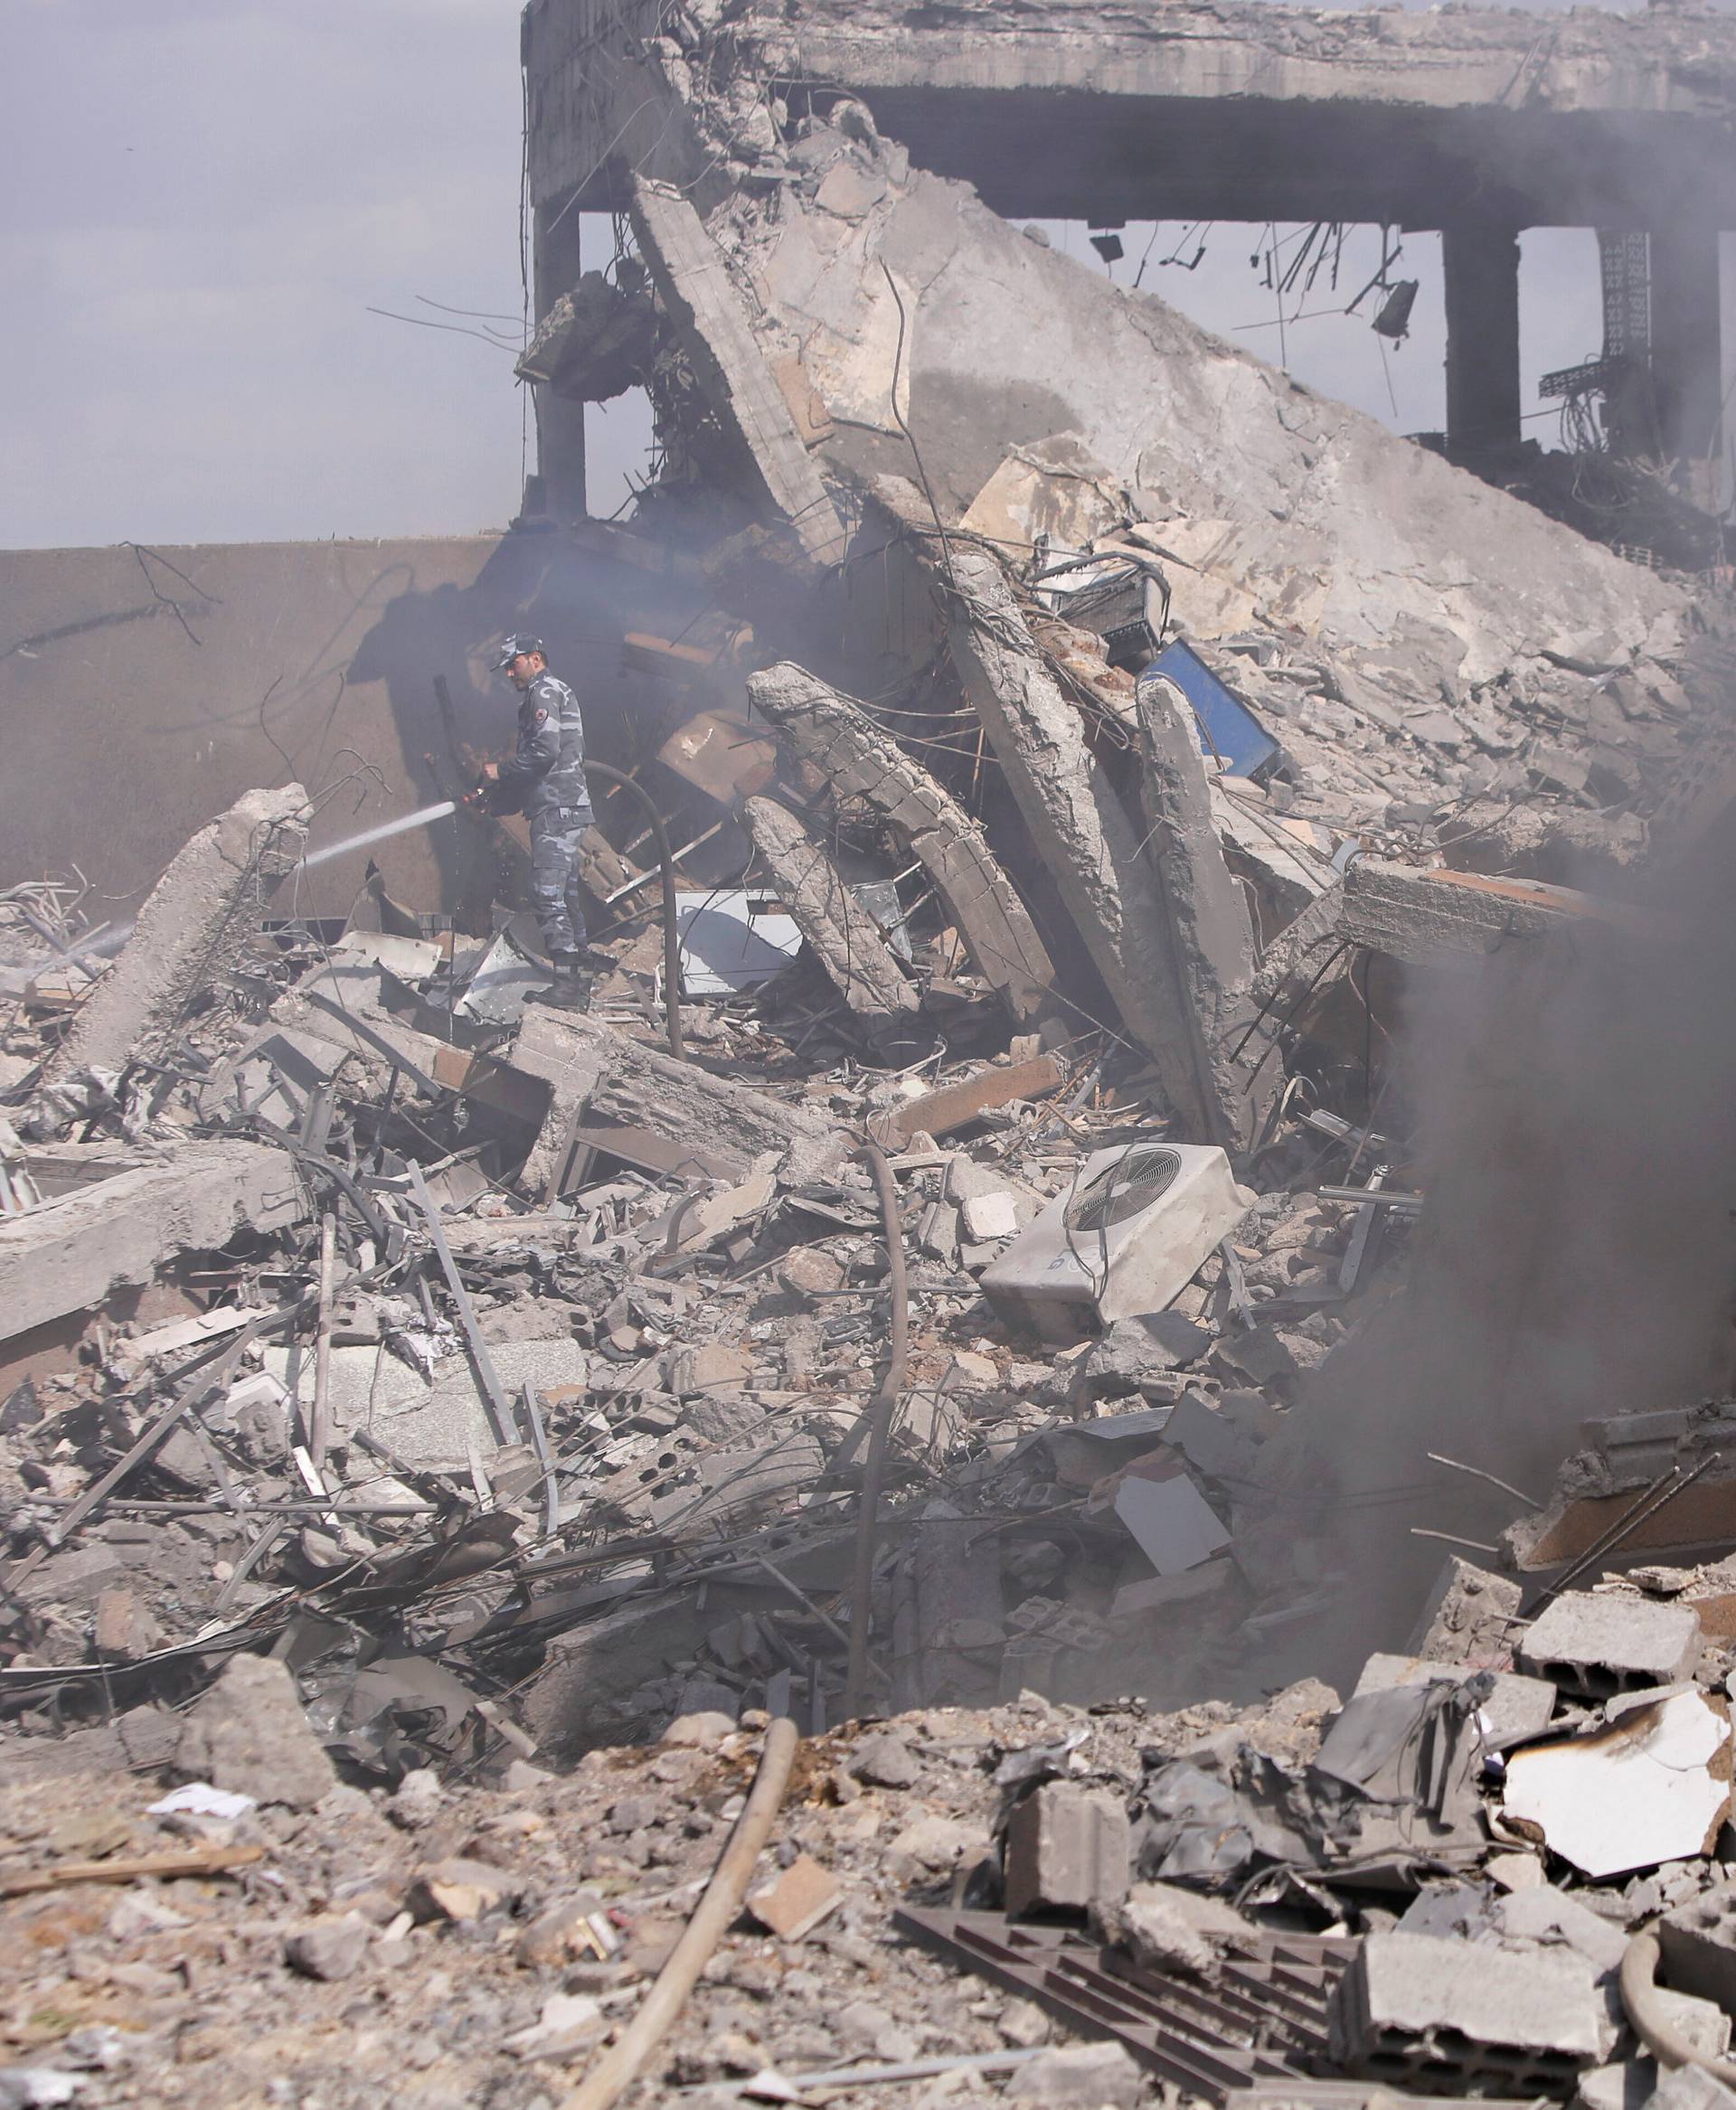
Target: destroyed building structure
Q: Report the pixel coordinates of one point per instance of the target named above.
(1115, 1331)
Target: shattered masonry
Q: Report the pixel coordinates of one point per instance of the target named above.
(1089, 1411)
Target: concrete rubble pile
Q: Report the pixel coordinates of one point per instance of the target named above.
(928, 1299)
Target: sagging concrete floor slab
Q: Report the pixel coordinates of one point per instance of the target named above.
(1237, 112)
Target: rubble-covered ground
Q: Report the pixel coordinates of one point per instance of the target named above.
(1148, 1265)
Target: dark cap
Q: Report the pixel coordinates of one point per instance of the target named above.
(512, 646)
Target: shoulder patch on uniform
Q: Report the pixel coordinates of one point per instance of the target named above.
(538, 716)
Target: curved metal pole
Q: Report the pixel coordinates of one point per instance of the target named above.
(880, 1408)
(671, 936)
(623, 2062)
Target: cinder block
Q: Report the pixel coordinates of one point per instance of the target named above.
(1068, 1847)
(1659, 1424)
(1698, 1942)
(1469, 1618)
(1692, 2087)
(1601, 1645)
(1412, 2009)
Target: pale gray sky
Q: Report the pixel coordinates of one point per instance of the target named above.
(203, 198)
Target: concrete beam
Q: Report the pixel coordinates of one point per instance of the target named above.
(838, 930)
(1480, 260)
(117, 1219)
(195, 924)
(693, 284)
(1233, 111)
(819, 725)
(1087, 837)
(559, 421)
(1210, 932)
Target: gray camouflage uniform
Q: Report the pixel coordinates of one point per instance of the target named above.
(545, 781)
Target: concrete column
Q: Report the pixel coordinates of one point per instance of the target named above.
(560, 423)
(1482, 266)
(1685, 360)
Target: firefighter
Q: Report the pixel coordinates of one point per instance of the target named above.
(544, 779)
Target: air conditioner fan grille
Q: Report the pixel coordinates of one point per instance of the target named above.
(1132, 1184)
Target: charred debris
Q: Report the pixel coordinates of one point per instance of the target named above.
(1050, 1254)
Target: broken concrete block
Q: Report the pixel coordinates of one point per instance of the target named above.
(1140, 1350)
(1651, 1786)
(1082, 2077)
(1209, 1443)
(1068, 1847)
(249, 1734)
(460, 1889)
(810, 1271)
(1471, 1617)
(1596, 1643)
(794, 1905)
(698, 1732)
(1544, 1914)
(190, 934)
(1412, 2005)
(984, 1218)
(331, 1947)
(710, 319)
(712, 1364)
(560, 1931)
(123, 1631)
(1698, 1944)
(1085, 835)
(883, 1760)
(76, 1575)
(1165, 1928)
(1692, 2087)
(1157, 1593)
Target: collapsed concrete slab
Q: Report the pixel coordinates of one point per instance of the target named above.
(858, 761)
(1088, 838)
(710, 320)
(838, 930)
(113, 1217)
(194, 925)
(1378, 579)
(602, 1077)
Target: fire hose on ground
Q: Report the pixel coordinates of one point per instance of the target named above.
(625, 2060)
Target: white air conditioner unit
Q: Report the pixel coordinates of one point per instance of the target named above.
(1137, 1223)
